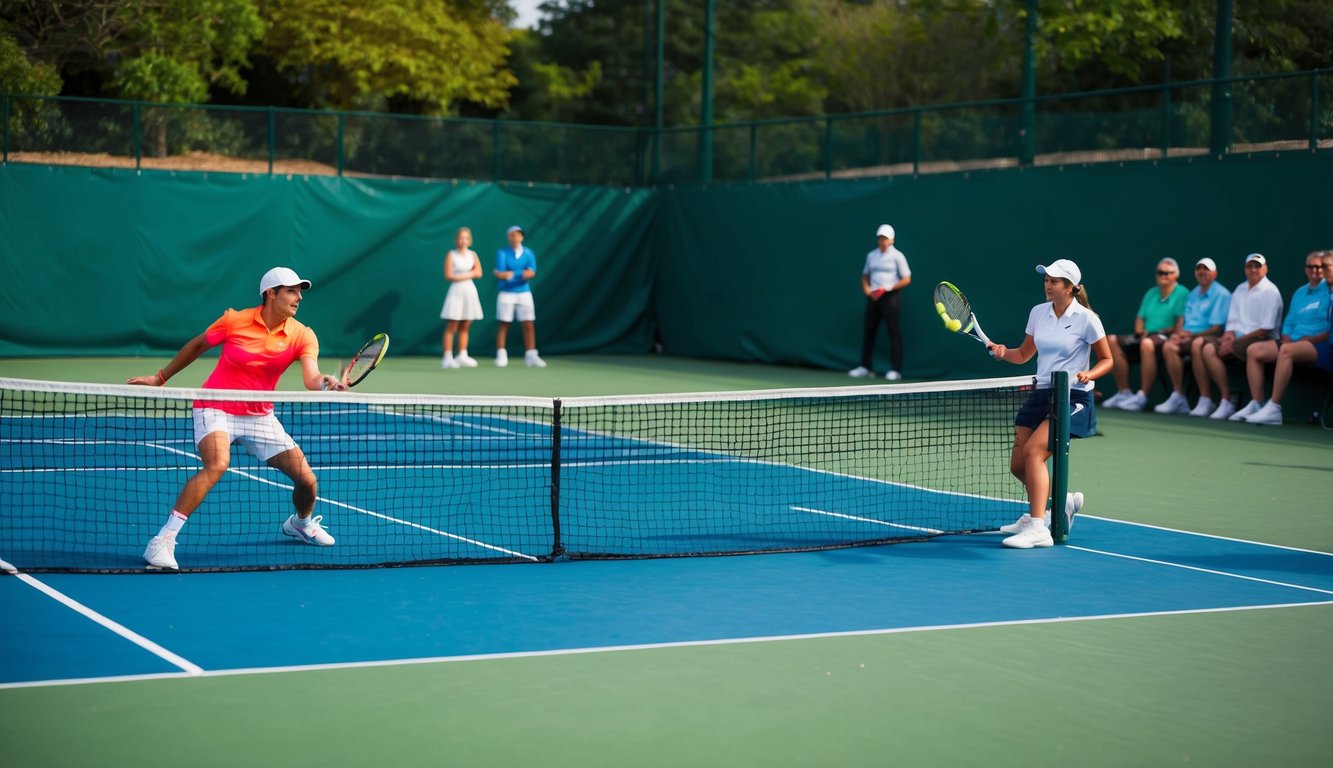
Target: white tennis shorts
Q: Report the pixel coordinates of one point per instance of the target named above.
(510, 304)
(262, 436)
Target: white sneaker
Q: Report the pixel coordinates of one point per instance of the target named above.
(501, 358)
(859, 372)
(1134, 402)
(1115, 400)
(1018, 524)
(1223, 411)
(1203, 407)
(1073, 505)
(893, 376)
(533, 360)
(311, 533)
(466, 360)
(161, 553)
(1245, 413)
(450, 362)
(1176, 403)
(1033, 534)
(1271, 413)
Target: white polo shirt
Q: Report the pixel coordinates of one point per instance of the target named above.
(1255, 308)
(885, 268)
(1064, 343)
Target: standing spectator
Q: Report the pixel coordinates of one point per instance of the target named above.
(462, 304)
(1255, 313)
(1161, 314)
(514, 267)
(1306, 326)
(1205, 316)
(885, 274)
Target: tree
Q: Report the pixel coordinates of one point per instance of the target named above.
(356, 55)
(18, 74)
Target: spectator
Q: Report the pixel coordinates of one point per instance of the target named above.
(1161, 314)
(514, 267)
(885, 274)
(462, 304)
(1255, 313)
(1306, 326)
(1205, 317)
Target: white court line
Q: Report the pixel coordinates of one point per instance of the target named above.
(189, 667)
(867, 520)
(1205, 535)
(1200, 570)
(370, 513)
(657, 646)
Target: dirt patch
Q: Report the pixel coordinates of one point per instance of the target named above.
(190, 161)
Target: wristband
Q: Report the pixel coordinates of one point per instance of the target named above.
(162, 376)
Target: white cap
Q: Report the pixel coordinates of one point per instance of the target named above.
(1062, 268)
(1207, 262)
(279, 277)
(513, 229)
(1259, 257)
(884, 231)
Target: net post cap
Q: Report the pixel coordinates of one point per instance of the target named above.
(1062, 268)
(279, 277)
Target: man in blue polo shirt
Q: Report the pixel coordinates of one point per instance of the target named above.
(514, 267)
(1205, 316)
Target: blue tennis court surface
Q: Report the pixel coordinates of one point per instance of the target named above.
(220, 623)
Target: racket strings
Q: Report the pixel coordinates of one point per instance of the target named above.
(956, 306)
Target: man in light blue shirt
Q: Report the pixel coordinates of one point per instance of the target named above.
(514, 267)
(1206, 310)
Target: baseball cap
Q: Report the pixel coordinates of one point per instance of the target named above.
(281, 276)
(1259, 257)
(1062, 268)
(513, 229)
(1207, 262)
(884, 231)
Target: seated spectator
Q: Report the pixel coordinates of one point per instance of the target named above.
(1161, 314)
(1255, 313)
(1306, 326)
(1205, 317)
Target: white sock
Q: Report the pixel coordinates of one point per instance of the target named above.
(174, 522)
(448, 355)
(462, 353)
(303, 522)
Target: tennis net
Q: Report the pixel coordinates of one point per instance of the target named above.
(90, 473)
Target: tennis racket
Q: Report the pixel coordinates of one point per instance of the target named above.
(956, 312)
(364, 362)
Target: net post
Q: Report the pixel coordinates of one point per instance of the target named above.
(1060, 456)
(557, 546)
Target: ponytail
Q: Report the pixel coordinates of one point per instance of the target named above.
(1081, 296)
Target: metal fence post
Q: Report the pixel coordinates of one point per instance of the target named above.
(272, 148)
(754, 148)
(916, 143)
(342, 142)
(4, 128)
(495, 150)
(828, 148)
(136, 133)
(1314, 111)
(1166, 121)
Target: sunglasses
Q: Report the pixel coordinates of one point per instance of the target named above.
(1164, 273)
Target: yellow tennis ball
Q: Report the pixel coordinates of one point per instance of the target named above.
(939, 307)
(953, 325)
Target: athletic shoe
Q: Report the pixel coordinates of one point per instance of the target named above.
(1073, 505)
(1115, 400)
(1203, 407)
(1033, 534)
(1245, 413)
(1018, 524)
(1271, 413)
(533, 360)
(1176, 403)
(1134, 402)
(311, 533)
(1223, 411)
(450, 362)
(161, 553)
(893, 376)
(466, 360)
(501, 358)
(859, 372)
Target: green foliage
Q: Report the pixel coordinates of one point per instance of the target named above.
(173, 52)
(433, 52)
(19, 74)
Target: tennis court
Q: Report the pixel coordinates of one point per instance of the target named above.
(1187, 621)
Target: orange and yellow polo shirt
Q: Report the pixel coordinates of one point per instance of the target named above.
(253, 357)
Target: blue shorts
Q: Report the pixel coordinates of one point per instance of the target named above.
(1040, 403)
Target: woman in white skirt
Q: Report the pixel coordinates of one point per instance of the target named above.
(462, 305)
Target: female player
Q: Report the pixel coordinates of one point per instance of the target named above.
(1061, 333)
(462, 304)
(258, 345)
